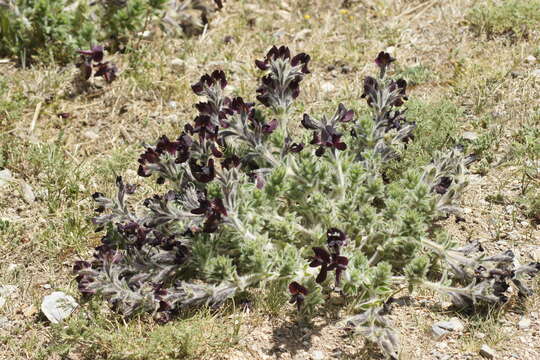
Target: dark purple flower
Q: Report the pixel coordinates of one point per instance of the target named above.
(336, 239)
(84, 283)
(344, 115)
(303, 59)
(179, 150)
(339, 264)
(231, 162)
(443, 185)
(240, 107)
(328, 137)
(261, 64)
(205, 173)
(95, 54)
(296, 147)
(399, 87)
(322, 259)
(329, 261)
(308, 123)
(259, 180)
(217, 78)
(270, 127)
(384, 59)
(107, 71)
(298, 294)
(204, 127)
(371, 88)
(80, 265)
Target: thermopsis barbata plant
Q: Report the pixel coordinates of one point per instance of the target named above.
(247, 203)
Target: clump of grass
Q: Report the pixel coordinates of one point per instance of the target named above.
(531, 203)
(515, 18)
(416, 75)
(437, 128)
(111, 338)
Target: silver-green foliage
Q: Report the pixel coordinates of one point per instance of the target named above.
(284, 212)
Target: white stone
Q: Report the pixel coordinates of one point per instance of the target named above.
(178, 64)
(480, 335)
(5, 177)
(58, 306)
(327, 87)
(454, 324)
(6, 291)
(469, 135)
(536, 73)
(524, 323)
(12, 267)
(27, 193)
(147, 35)
(438, 333)
(317, 355)
(487, 352)
(530, 59)
(91, 135)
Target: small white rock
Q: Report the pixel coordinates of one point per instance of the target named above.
(536, 73)
(178, 64)
(524, 323)
(535, 254)
(487, 352)
(530, 59)
(469, 135)
(454, 324)
(5, 292)
(27, 193)
(5, 177)
(438, 332)
(146, 35)
(317, 355)
(58, 306)
(91, 135)
(327, 87)
(12, 267)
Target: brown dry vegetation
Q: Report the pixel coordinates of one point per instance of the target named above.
(466, 80)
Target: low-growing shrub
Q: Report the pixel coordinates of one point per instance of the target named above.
(51, 30)
(513, 18)
(250, 203)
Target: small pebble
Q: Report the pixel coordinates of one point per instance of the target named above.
(178, 64)
(524, 323)
(317, 355)
(327, 87)
(487, 352)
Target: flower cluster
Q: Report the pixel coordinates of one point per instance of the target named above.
(330, 261)
(325, 133)
(281, 84)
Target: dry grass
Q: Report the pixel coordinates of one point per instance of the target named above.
(463, 82)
